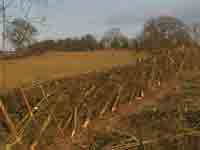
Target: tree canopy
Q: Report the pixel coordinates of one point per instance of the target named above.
(165, 31)
(21, 33)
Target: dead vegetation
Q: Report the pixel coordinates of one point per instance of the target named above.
(54, 65)
(83, 113)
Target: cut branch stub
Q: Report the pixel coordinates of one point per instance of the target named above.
(26, 101)
(75, 125)
(117, 100)
(9, 122)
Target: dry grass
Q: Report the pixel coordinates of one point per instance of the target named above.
(58, 64)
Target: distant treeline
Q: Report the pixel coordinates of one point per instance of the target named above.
(85, 43)
(158, 33)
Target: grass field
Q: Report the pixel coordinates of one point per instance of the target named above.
(58, 64)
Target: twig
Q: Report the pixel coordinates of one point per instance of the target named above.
(104, 109)
(53, 115)
(89, 91)
(123, 133)
(69, 120)
(42, 130)
(154, 141)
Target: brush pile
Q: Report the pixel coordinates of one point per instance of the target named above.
(55, 112)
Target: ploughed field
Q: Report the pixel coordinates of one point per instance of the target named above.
(53, 65)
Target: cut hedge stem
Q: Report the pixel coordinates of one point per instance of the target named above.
(75, 125)
(26, 101)
(9, 122)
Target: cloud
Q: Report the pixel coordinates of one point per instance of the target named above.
(134, 18)
(125, 18)
(189, 14)
(188, 11)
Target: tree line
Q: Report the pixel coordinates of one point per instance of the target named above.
(87, 42)
(157, 33)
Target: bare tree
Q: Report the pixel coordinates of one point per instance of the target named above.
(89, 42)
(195, 32)
(21, 33)
(165, 32)
(114, 38)
(4, 5)
(23, 6)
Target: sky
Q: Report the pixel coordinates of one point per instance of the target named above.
(70, 18)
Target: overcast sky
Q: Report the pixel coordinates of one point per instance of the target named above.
(77, 17)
